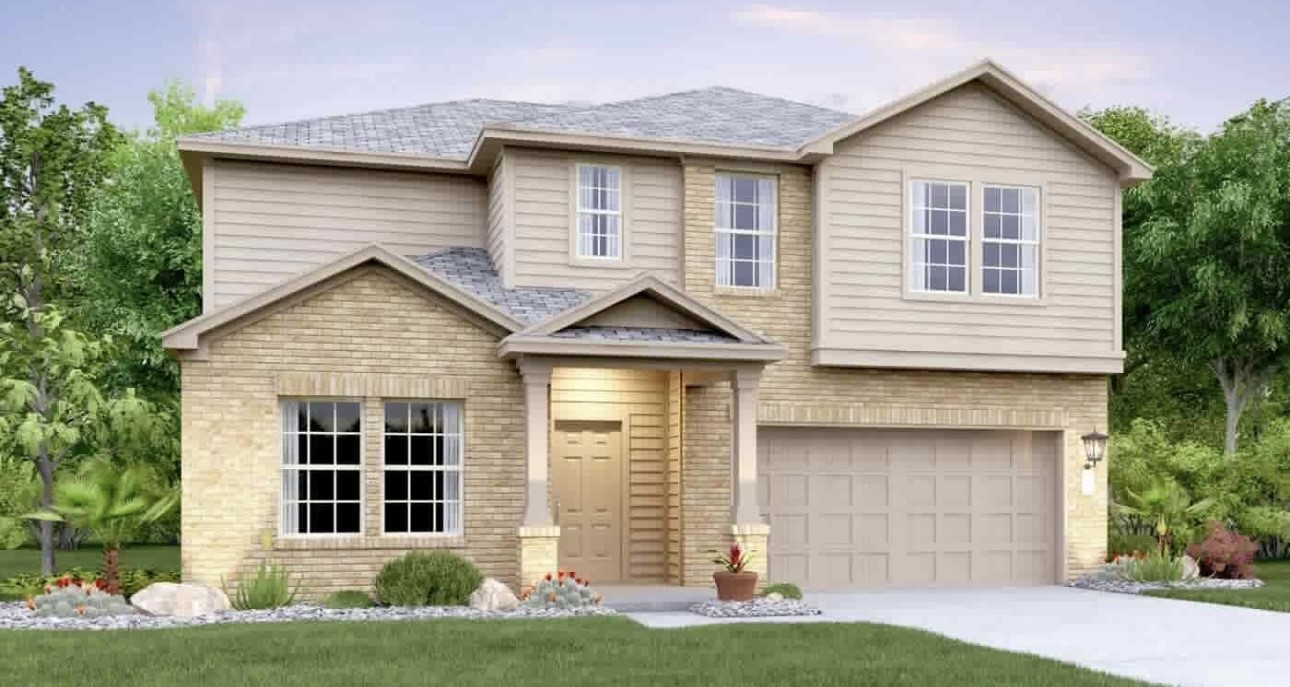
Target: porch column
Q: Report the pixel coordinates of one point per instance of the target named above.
(539, 537)
(747, 526)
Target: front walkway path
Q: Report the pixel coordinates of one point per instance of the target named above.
(1158, 640)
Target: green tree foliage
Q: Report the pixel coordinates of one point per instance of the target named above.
(141, 267)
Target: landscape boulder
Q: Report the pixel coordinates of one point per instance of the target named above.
(180, 600)
(493, 596)
(1190, 568)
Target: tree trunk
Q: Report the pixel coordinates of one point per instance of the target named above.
(1241, 382)
(111, 573)
(46, 468)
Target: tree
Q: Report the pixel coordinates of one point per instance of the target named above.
(110, 502)
(52, 158)
(1169, 508)
(1207, 248)
(141, 268)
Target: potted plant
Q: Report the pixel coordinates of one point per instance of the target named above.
(734, 583)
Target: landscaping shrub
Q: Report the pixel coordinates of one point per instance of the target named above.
(270, 587)
(786, 589)
(1122, 544)
(1155, 567)
(562, 590)
(349, 598)
(132, 580)
(66, 600)
(437, 578)
(1224, 553)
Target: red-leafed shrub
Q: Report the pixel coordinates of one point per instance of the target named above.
(1224, 553)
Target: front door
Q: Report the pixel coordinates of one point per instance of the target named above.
(586, 466)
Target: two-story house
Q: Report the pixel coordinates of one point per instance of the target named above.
(611, 338)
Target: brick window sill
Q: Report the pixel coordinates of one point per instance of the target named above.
(392, 542)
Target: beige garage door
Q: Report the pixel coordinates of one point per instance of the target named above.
(871, 508)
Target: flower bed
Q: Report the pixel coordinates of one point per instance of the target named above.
(16, 616)
(756, 608)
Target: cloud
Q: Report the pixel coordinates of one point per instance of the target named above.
(912, 33)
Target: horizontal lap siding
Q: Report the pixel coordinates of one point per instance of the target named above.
(272, 221)
(500, 219)
(543, 206)
(967, 134)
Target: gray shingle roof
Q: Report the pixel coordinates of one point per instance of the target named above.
(650, 334)
(439, 129)
(471, 270)
(448, 130)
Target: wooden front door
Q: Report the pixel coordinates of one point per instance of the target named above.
(587, 480)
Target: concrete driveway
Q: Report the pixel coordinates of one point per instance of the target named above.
(1157, 640)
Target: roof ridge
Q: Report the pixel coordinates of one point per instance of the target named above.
(673, 94)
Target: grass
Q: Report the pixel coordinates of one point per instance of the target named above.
(516, 653)
(1273, 596)
(89, 557)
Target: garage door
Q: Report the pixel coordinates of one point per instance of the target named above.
(872, 508)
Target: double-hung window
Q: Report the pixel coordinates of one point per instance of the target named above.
(322, 467)
(938, 237)
(1010, 241)
(745, 231)
(422, 476)
(599, 212)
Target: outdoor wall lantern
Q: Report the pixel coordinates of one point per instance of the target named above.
(1094, 447)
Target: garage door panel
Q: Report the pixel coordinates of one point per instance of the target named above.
(852, 508)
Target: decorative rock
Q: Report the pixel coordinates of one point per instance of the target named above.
(774, 597)
(16, 616)
(1191, 569)
(180, 600)
(493, 596)
(757, 608)
(1102, 584)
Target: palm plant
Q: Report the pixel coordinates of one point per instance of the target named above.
(1169, 506)
(111, 502)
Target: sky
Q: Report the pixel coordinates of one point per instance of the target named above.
(1196, 62)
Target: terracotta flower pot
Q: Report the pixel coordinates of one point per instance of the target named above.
(740, 586)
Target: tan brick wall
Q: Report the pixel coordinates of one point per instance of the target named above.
(795, 392)
(370, 334)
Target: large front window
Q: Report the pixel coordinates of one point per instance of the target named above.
(321, 467)
(745, 231)
(422, 468)
(938, 237)
(599, 213)
(1010, 241)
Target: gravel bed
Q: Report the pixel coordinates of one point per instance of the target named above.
(16, 616)
(757, 608)
(1129, 587)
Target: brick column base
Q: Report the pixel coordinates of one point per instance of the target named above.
(754, 538)
(539, 553)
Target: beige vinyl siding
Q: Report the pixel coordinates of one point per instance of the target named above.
(970, 135)
(273, 221)
(543, 207)
(501, 218)
(672, 547)
(637, 399)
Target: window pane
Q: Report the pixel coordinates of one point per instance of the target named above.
(745, 190)
(422, 450)
(745, 273)
(1011, 200)
(396, 517)
(320, 449)
(958, 224)
(322, 417)
(348, 485)
(990, 280)
(321, 485)
(990, 255)
(939, 251)
(958, 197)
(420, 486)
(302, 519)
(936, 278)
(991, 229)
(940, 196)
(396, 485)
(745, 217)
(991, 199)
(940, 224)
(347, 417)
(396, 450)
(348, 518)
(322, 518)
(396, 417)
(1008, 282)
(1010, 227)
(745, 247)
(958, 279)
(348, 449)
(420, 519)
(301, 411)
(422, 418)
(957, 253)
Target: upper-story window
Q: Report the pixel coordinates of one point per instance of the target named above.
(1010, 241)
(745, 231)
(938, 236)
(599, 212)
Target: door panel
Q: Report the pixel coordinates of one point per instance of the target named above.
(587, 481)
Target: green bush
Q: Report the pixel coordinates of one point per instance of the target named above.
(1122, 544)
(270, 587)
(1155, 567)
(348, 598)
(788, 590)
(437, 578)
(19, 489)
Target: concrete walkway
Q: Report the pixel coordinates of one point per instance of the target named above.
(1157, 640)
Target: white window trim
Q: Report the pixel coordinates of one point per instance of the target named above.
(361, 468)
(907, 255)
(461, 471)
(575, 242)
(1038, 243)
(773, 232)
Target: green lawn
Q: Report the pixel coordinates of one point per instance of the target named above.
(1274, 596)
(589, 651)
(89, 557)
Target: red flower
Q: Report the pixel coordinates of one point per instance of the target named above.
(561, 573)
(548, 577)
(573, 574)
